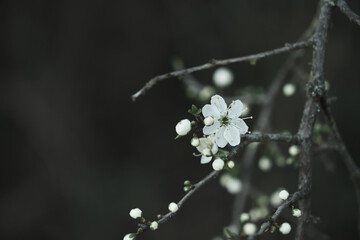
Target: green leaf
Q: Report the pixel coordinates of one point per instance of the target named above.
(194, 110)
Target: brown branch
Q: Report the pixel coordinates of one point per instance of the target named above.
(345, 9)
(214, 63)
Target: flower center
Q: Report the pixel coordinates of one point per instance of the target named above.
(224, 121)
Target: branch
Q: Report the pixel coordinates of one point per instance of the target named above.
(345, 9)
(213, 63)
(295, 197)
(270, 137)
(315, 91)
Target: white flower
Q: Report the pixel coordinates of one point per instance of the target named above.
(135, 213)
(129, 236)
(183, 127)
(223, 77)
(173, 207)
(218, 164)
(207, 148)
(249, 229)
(244, 217)
(208, 121)
(154, 225)
(265, 164)
(296, 212)
(231, 164)
(227, 125)
(294, 150)
(284, 194)
(195, 142)
(289, 89)
(285, 228)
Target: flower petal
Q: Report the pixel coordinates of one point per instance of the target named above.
(219, 138)
(232, 135)
(235, 109)
(207, 130)
(219, 102)
(204, 143)
(240, 124)
(205, 159)
(210, 110)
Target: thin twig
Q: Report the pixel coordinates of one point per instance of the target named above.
(293, 198)
(213, 63)
(345, 9)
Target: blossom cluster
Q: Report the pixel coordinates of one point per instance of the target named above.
(219, 126)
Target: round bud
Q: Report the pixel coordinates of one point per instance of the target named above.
(294, 150)
(154, 225)
(289, 89)
(285, 228)
(265, 164)
(218, 164)
(284, 194)
(135, 213)
(244, 217)
(183, 127)
(223, 77)
(249, 229)
(208, 121)
(195, 142)
(231, 164)
(296, 212)
(173, 207)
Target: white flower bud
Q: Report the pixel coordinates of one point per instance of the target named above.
(244, 217)
(206, 93)
(294, 150)
(218, 164)
(285, 228)
(289, 89)
(275, 200)
(206, 152)
(129, 236)
(296, 212)
(234, 185)
(195, 142)
(208, 121)
(265, 164)
(249, 229)
(154, 225)
(231, 164)
(223, 77)
(173, 207)
(284, 194)
(183, 127)
(135, 213)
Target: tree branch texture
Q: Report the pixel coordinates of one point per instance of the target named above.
(345, 9)
(214, 63)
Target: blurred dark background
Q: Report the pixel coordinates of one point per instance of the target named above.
(77, 154)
